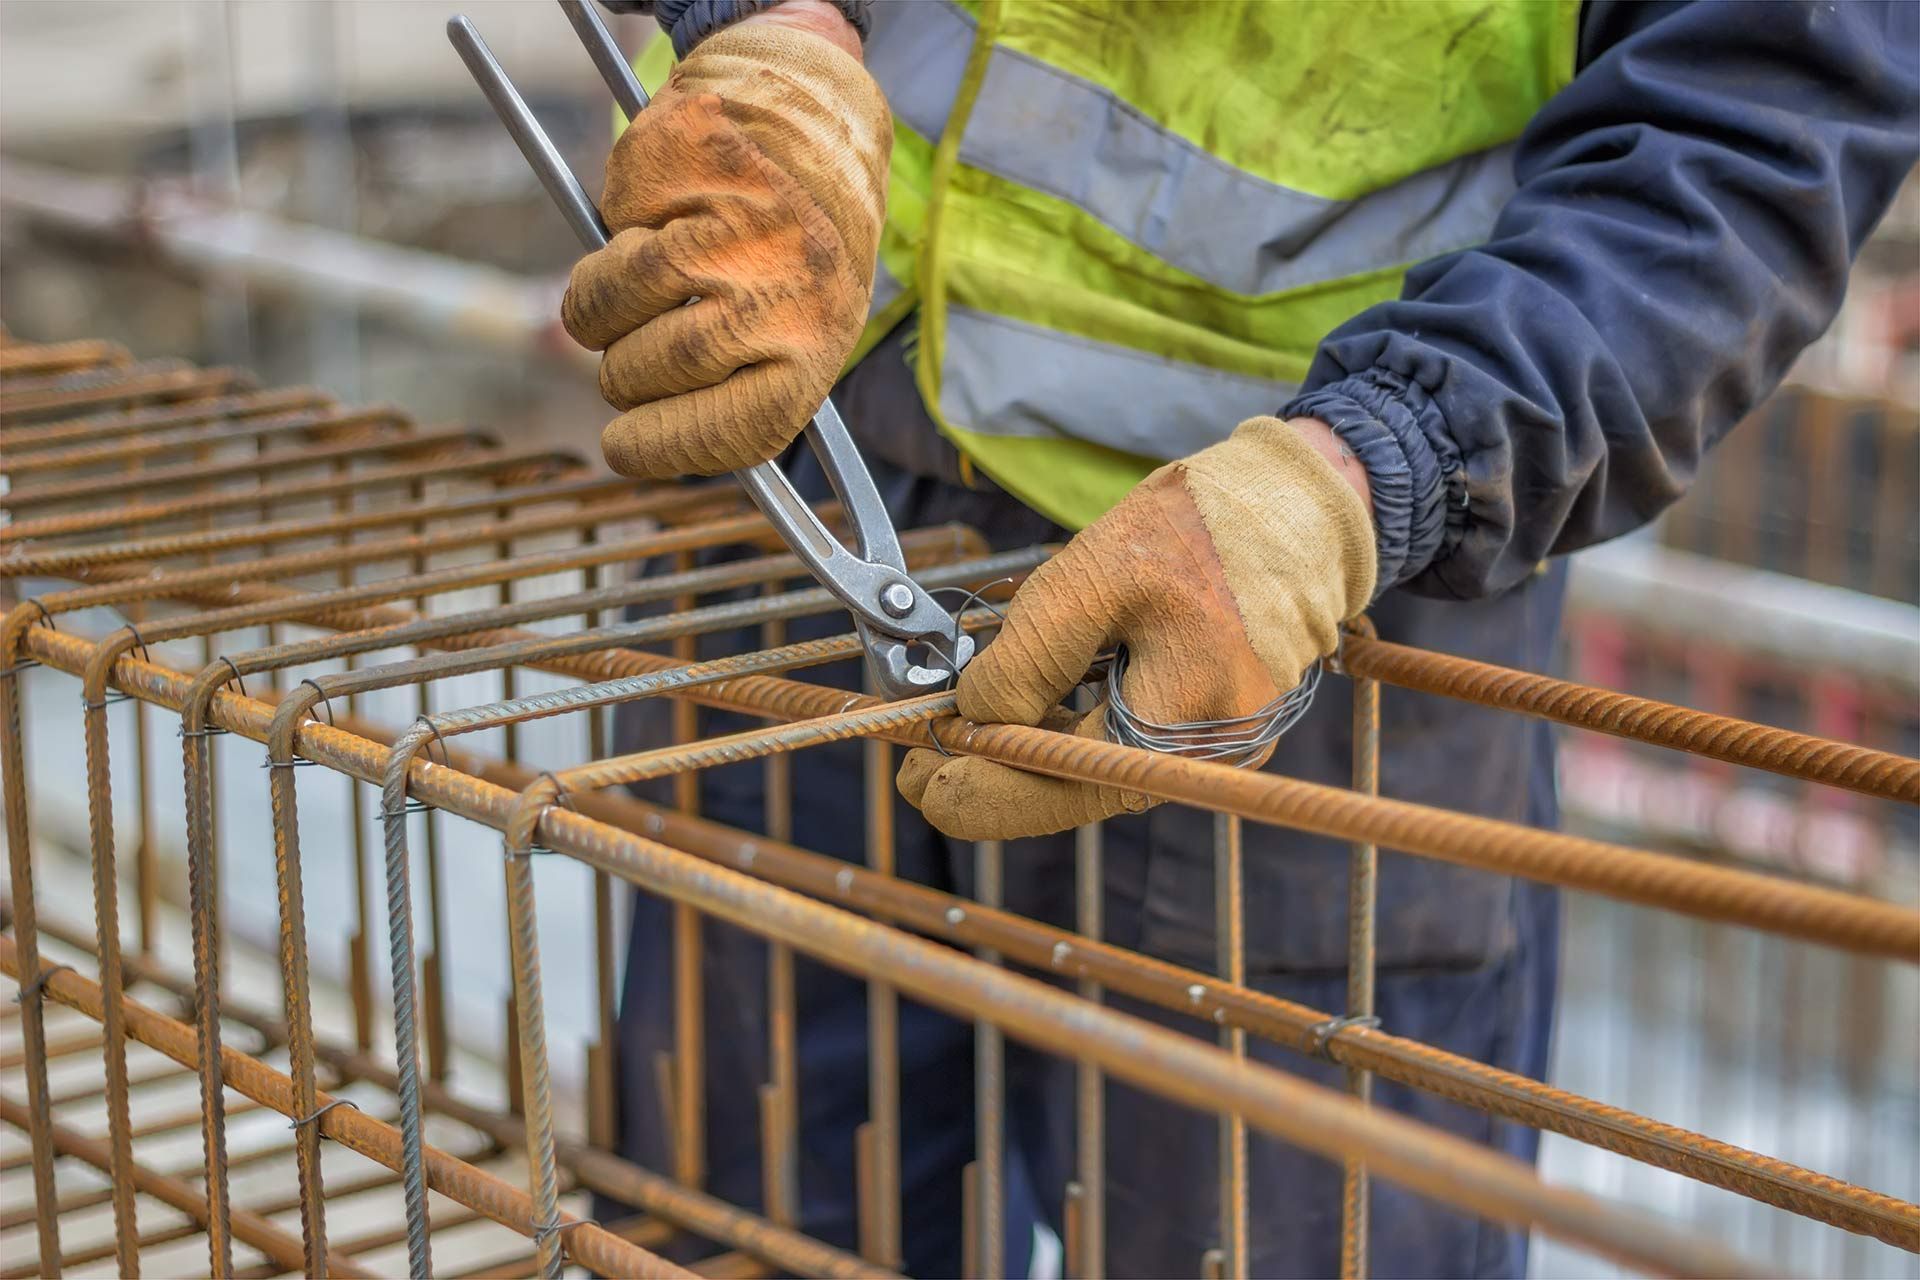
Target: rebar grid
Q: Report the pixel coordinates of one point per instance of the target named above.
(232, 507)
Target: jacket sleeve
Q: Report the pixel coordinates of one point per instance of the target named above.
(1685, 216)
(688, 22)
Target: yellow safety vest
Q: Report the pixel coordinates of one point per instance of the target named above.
(1126, 226)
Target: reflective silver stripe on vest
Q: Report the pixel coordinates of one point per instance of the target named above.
(917, 50)
(885, 289)
(1006, 378)
(1057, 133)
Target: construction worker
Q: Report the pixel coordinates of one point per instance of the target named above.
(1286, 313)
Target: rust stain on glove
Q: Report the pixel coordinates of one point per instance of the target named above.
(1225, 575)
(755, 182)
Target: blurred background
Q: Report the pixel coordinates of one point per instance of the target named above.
(315, 191)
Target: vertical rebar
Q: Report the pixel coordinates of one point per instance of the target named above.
(1362, 891)
(1229, 897)
(26, 937)
(1089, 887)
(989, 1095)
(781, 1109)
(296, 998)
(543, 1179)
(406, 1031)
(689, 985)
(883, 1027)
(106, 908)
(203, 910)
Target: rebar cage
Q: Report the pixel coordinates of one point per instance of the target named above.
(209, 513)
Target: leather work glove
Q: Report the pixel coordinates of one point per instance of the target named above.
(755, 181)
(1225, 575)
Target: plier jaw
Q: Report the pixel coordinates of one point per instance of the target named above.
(892, 613)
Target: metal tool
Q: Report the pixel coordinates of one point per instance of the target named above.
(890, 610)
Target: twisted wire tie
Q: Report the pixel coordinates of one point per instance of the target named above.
(315, 1117)
(1324, 1031)
(39, 982)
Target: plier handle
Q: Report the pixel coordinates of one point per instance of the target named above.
(891, 612)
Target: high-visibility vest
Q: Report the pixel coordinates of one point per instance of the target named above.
(1126, 226)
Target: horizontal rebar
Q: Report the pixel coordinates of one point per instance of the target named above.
(318, 423)
(428, 440)
(24, 399)
(1057, 951)
(375, 1139)
(1842, 920)
(1718, 737)
(1449, 1168)
(174, 1192)
(531, 462)
(609, 1175)
(111, 426)
(51, 561)
(32, 359)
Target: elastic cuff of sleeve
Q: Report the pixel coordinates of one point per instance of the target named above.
(1412, 466)
(688, 22)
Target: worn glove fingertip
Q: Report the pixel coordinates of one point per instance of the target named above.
(916, 770)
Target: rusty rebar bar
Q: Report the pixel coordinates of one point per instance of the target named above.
(528, 463)
(432, 440)
(317, 423)
(99, 428)
(1718, 737)
(591, 1245)
(1771, 1181)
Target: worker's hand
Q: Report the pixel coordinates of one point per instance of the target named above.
(1225, 575)
(755, 182)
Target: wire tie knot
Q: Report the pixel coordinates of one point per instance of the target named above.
(1325, 1031)
(297, 1125)
(558, 1226)
(39, 982)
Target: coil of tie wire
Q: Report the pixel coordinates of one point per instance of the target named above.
(1238, 740)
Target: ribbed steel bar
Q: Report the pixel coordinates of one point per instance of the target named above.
(525, 464)
(289, 714)
(144, 586)
(882, 1148)
(106, 908)
(34, 359)
(1741, 742)
(529, 1003)
(989, 1092)
(1844, 920)
(26, 399)
(401, 756)
(26, 936)
(100, 428)
(591, 1245)
(175, 1193)
(600, 1171)
(1230, 962)
(1475, 1084)
(1294, 1026)
(203, 900)
(1183, 1069)
(1045, 1025)
(200, 473)
(67, 561)
(1363, 869)
(318, 424)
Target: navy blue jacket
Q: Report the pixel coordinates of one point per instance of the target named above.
(1686, 215)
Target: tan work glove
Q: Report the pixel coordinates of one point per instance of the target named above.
(1224, 574)
(756, 182)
